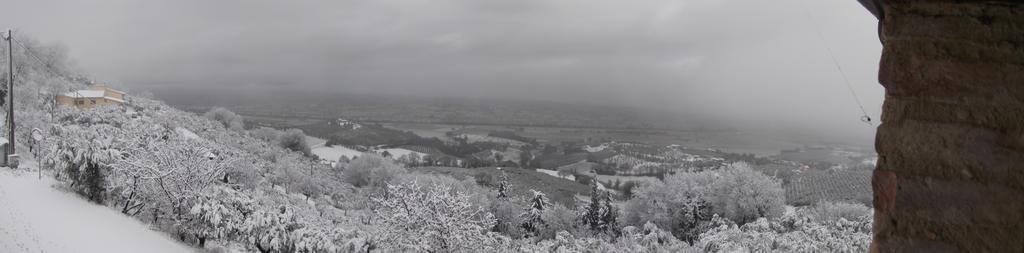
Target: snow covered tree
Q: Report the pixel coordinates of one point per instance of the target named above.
(558, 218)
(532, 218)
(686, 202)
(216, 214)
(503, 187)
(311, 239)
(229, 119)
(171, 171)
(610, 214)
(294, 140)
(414, 159)
(371, 170)
(413, 217)
(267, 230)
(599, 215)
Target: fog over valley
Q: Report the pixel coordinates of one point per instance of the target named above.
(757, 66)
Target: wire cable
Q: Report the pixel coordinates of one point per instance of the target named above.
(864, 118)
(46, 66)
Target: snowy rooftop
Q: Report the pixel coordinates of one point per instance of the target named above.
(91, 94)
(85, 94)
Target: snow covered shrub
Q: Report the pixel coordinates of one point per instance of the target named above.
(268, 229)
(104, 114)
(242, 175)
(229, 119)
(431, 219)
(647, 239)
(300, 178)
(216, 214)
(685, 202)
(685, 216)
(484, 179)
(507, 217)
(81, 156)
(833, 211)
(294, 140)
(265, 133)
(795, 231)
(557, 218)
(371, 170)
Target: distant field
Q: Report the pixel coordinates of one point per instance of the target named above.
(824, 155)
(552, 161)
(558, 189)
(729, 141)
(735, 142)
(424, 130)
(844, 186)
(623, 179)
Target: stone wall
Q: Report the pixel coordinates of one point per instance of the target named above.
(951, 146)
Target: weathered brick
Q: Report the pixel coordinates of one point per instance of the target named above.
(950, 176)
(950, 151)
(973, 111)
(958, 203)
(981, 21)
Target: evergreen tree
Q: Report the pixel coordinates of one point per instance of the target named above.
(609, 215)
(532, 217)
(600, 215)
(592, 216)
(503, 187)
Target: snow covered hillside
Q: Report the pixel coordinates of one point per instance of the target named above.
(35, 217)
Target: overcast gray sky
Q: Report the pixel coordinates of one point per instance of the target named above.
(756, 62)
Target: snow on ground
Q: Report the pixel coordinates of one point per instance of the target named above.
(593, 149)
(35, 217)
(555, 174)
(186, 133)
(332, 153)
(315, 142)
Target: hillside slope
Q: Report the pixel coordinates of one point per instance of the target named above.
(35, 217)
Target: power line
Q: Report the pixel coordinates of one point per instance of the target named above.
(46, 66)
(865, 118)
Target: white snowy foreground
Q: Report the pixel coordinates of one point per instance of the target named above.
(35, 217)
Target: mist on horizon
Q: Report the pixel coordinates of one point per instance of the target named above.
(751, 64)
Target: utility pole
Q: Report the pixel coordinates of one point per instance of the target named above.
(10, 94)
(10, 97)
